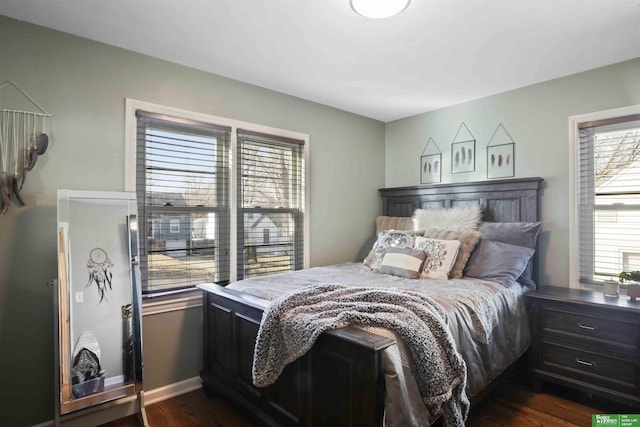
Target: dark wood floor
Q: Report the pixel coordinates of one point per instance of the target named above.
(510, 404)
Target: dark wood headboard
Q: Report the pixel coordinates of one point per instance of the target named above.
(505, 200)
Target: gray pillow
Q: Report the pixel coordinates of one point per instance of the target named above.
(366, 248)
(516, 233)
(498, 261)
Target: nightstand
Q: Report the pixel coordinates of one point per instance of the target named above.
(583, 340)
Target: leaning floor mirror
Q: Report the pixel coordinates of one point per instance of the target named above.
(98, 301)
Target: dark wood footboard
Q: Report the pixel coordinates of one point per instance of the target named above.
(338, 382)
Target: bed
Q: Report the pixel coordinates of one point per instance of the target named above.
(344, 379)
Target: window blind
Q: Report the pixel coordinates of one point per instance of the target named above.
(182, 187)
(609, 198)
(270, 204)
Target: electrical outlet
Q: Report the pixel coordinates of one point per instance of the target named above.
(79, 297)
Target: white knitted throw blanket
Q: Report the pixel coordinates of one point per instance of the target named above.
(291, 324)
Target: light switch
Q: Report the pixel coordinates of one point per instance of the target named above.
(79, 297)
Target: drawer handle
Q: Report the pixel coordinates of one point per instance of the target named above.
(590, 328)
(584, 362)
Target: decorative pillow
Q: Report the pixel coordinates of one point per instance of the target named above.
(384, 223)
(389, 239)
(498, 261)
(468, 240)
(403, 262)
(516, 233)
(457, 219)
(441, 254)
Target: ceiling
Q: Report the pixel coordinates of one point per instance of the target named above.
(435, 54)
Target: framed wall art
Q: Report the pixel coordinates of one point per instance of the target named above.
(431, 163)
(501, 154)
(431, 169)
(500, 162)
(463, 157)
(463, 151)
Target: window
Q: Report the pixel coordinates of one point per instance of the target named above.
(183, 201)
(271, 204)
(608, 199)
(207, 218)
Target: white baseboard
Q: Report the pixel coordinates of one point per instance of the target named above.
(172, 390)
(158, 394)
(118, 379)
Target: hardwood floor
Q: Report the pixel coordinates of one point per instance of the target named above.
(515, 404)
(192, 409)
(510, 404)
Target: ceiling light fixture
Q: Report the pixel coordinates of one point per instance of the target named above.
(379, 8)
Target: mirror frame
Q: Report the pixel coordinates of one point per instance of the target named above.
(64, 307)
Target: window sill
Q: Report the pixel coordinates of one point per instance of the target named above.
(179, 301)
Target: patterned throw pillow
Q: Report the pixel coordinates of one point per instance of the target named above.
(468, 240)
(403, 262)
(440, 256)
(386, 223)
(389, 239)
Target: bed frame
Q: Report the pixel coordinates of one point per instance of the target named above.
(340, 380)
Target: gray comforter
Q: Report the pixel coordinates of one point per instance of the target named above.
(291, 324)
(487, 321)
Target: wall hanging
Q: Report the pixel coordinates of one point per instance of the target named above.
(431, 163)
(501, 154)
(99, 266)
(23, 137)
(463, 151)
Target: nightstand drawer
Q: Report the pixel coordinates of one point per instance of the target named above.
(621, 331)
(608, 371)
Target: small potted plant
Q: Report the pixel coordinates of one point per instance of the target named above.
(632, 276)
(633, 288)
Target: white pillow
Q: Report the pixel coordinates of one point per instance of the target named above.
(440, 257)
(455, 219)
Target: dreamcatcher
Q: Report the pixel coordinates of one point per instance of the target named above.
(99, 265)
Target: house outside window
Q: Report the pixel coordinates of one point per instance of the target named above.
(607, 211)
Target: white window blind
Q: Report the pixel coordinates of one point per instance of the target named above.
(609, 198)
(182, 185)
(271, 198)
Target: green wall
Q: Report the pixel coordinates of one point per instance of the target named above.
(537, 118)
(84, 85)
